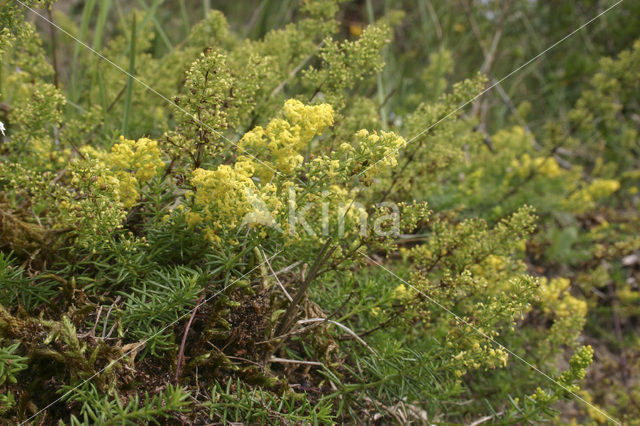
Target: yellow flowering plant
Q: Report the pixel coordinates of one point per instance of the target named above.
(249, 235)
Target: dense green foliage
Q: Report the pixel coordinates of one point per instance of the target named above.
(297, 221)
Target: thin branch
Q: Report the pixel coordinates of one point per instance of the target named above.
(294, 361)
(292, 310)
(295, 71)
(485, 419)
(106, 319)
(288, 268)
(183, 343)
(389, 96)
(489, 53)
(294, 332)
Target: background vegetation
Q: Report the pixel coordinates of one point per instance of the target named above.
(132, 291)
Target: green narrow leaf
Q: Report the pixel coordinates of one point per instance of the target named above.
(101, 88)
(129, 89)
(151, 11)
(380, 83)
(185, 18)
(103, 12)
(82, 36)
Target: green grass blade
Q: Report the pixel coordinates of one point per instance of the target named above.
(101, 90)
(185, 18)
(156, 23)
(132, 70)
(380, 83)
(84, 29)
(148, 16)
(103, 12)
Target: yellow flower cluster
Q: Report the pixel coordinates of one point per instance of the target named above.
(225, 196)
(221, 193)
(249, 190)
(401, 292)
(556, 299)
(132, 163)
(578, 364)
(495, 262)
(479, 356)
(92, 203)
(545, 166)
(378, 152)
(142, 157)
(568, 312)
(514, 139)
(311, 120)
(283, 140)
(586, 197)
